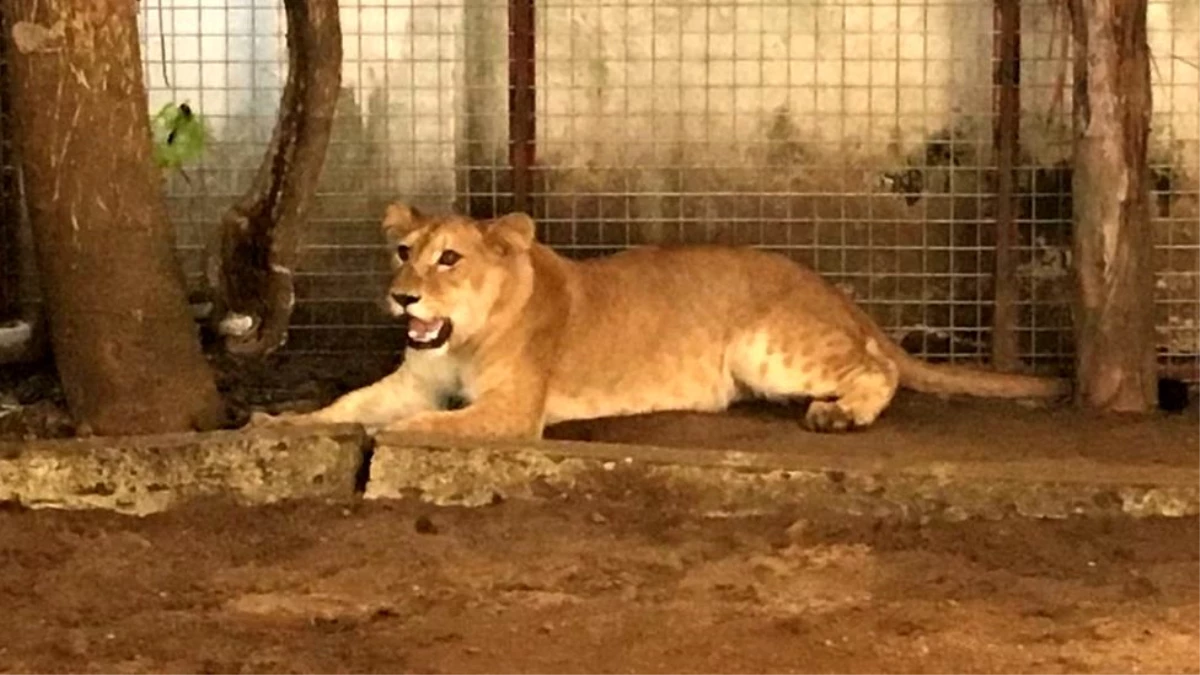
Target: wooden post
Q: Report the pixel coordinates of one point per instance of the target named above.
(1006, 81)
(1113, 240)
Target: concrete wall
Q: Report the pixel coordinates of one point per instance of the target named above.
(855, 135)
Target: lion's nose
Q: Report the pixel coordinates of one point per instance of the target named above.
(404, 299)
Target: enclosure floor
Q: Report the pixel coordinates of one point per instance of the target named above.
(640, 585)
(589, 586)
(922, 429)
(916, 428)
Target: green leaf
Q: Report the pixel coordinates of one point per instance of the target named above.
(179, 136)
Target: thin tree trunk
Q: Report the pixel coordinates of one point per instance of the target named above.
(259, 235)
(1114, 242)
(124, 343)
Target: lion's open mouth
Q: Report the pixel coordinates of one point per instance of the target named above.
(429, 334)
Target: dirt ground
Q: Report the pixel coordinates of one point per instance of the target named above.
(595, 585)
(589, 586)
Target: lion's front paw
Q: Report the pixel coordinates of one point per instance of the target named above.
(260, 419)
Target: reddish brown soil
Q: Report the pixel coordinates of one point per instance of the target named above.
(593, 585)
(920, 429)
(589, 586)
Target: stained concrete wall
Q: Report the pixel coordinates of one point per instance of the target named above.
(859, 126)
(855, 134)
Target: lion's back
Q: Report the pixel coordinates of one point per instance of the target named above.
(650, 328)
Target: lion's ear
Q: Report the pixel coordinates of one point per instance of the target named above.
(513, 233)
(400, 219)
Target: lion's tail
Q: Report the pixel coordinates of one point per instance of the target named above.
(955, 380)
(951, 379)
(941, 378)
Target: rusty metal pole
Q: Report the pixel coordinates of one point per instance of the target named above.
(1006, 78)
(522, 118)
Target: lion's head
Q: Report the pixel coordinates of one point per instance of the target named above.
(450, 271)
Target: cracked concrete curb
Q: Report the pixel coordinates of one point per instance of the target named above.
(146, 474)
(716, 482)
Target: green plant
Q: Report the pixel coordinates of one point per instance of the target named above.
(179, 137)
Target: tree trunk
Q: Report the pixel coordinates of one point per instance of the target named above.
(124, 343)
(10, 219)
(1114, 242)
(259, 243)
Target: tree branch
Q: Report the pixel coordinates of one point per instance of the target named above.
(259, 234)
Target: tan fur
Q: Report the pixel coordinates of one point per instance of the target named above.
(540, 339)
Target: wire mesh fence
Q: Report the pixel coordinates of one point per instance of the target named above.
(857, 136)
(853, 136)
(1174, 36)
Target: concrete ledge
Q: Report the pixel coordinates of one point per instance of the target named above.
(447, 471)
(145, 474)
(148, 474)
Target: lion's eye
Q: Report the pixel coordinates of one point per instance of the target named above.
(449, 258)
(402, 253)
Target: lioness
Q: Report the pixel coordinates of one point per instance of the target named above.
(528, 338)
